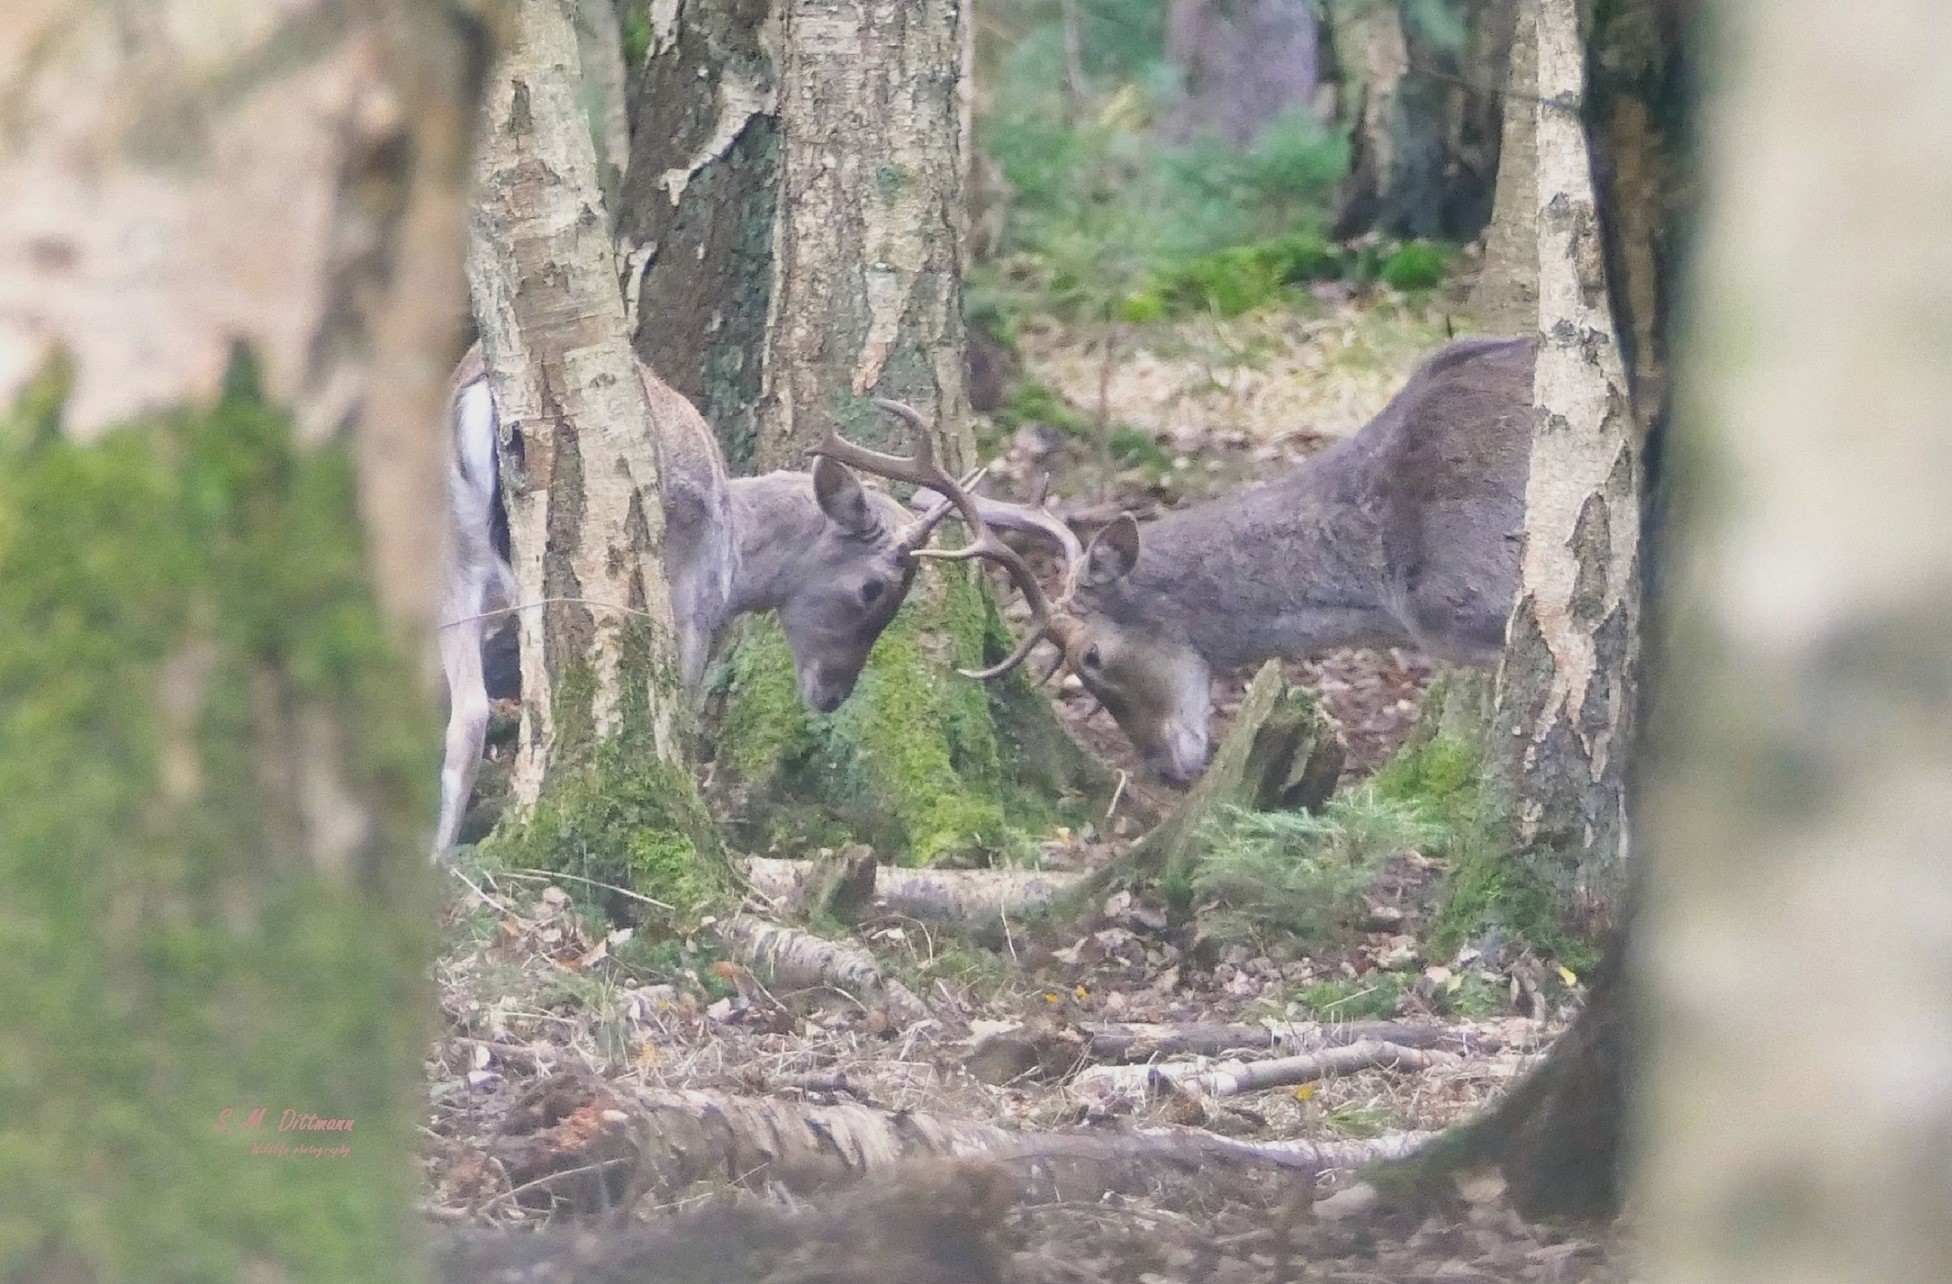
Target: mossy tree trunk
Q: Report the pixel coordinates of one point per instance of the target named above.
(579, 460)
(234, 249)
(699, 202)
(1796, 922)
(795, 231)
(1562, 730)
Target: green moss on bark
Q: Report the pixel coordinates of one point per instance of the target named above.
(615, 812)
(920, 762)
(190, 639)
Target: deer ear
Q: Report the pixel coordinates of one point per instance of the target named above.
(841, 496)
(1113, 551)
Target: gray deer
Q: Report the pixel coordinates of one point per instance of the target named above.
(1405, 534)
(834, 558)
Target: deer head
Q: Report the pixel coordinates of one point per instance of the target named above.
(848, 581)
(1154, 684)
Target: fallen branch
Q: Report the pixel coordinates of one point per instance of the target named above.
(795, 959)
(1231, 1078)
(967, 895)
(1151, 1042)
(655, 1145)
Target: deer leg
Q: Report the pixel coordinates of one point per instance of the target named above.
(467, 725)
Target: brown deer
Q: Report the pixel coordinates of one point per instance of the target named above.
(1404, 534)
(834, 558)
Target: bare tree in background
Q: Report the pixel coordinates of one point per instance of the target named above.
(230, 292)
(1798, 922)
(1241, 65)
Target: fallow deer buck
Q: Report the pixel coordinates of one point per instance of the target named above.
(1405, 534)
(834, 558)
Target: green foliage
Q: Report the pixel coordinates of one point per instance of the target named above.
(1305, 874)
(1240, 278)
(1417, 265)
(1103, 207)
(1373, 996)
(183, 600)
(1440, 775)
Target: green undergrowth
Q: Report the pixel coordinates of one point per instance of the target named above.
(215, 769)
(1305, 874)
(920, 762)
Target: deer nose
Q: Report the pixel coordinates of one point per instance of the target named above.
(1182, 757)
(821, 694)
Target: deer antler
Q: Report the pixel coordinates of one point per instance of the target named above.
(922, 470)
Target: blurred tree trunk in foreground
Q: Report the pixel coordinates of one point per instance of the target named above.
(1797, 947)
(230, 293)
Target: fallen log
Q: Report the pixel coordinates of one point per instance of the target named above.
(1231, 1078)
(963, 895)
(1140, 1041)
(796, 959)
(578, 1145)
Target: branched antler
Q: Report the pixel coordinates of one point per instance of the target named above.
(922, 470)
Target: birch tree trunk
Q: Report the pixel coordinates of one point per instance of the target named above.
(230, 291)
(1799, 916)
(867, 294)
(1506, 297)
(1563, 726)
(579, 460)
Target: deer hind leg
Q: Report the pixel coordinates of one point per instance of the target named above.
(467, 723)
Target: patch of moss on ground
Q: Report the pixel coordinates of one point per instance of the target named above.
(1371, 997)
(920, 762)
(186, 603)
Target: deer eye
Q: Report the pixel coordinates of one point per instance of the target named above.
(871, 592)
(1092, 659)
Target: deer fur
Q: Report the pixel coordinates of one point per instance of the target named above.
(834, 558)
(1405, 534)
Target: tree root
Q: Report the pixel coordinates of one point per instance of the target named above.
(1232, 1078)
(965, 895)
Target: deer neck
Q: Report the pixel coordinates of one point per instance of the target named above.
(1289, 568)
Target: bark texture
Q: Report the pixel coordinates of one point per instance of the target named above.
(579, 459)
(1795, 837)
(1240, 65)
(699, 204)
(1564, 719)
(867, 294)
(229, 290)
(1506, 297)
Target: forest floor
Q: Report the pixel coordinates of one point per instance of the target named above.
(963, 1116)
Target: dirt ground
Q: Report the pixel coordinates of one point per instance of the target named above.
(564, 1036)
